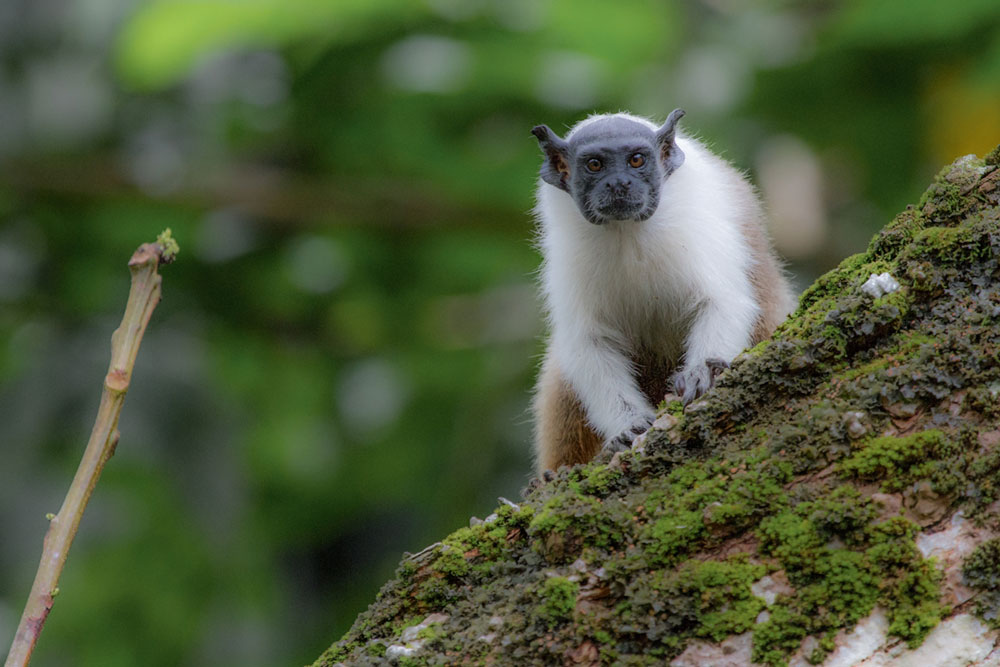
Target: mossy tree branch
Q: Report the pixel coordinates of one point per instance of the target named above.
(144, 295)
(838, 474)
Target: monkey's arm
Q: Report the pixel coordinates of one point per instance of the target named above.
(602, 376)
(720, 331)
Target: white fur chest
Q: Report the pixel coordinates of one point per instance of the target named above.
(629, 280)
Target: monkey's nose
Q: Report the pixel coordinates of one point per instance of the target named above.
(619, 188)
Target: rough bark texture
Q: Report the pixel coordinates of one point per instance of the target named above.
(833, 501)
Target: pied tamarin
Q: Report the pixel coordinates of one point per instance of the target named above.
(657, 270)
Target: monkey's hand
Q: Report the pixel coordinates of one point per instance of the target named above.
(694, 380)
(623, 440)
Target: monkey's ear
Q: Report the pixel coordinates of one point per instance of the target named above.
(670, 153)
(555, 169)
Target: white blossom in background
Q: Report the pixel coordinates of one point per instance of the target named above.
(792, 181)
(427, 64)
(569, 80)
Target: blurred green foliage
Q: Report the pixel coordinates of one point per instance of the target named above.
(341, 366)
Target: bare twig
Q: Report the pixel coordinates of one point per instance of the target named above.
(142, 299)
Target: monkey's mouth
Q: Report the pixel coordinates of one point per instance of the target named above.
(621, 209)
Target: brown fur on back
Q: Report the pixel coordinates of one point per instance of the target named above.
(770, 286)
(563, 435)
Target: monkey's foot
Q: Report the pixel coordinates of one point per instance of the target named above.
(692, 381)
(623, 440)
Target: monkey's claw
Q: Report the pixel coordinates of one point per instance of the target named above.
(716, 366)
(693, 381)
(617, 444)
(623, 440)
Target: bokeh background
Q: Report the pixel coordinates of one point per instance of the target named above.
(341, 365)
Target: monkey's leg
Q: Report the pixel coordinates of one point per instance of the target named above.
(562, 434)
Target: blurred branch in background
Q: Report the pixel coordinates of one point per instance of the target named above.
(273, 195)
(143, 297)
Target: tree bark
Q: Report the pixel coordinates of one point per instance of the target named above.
(834, 500)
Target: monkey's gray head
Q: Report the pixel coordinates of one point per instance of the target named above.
(612, 166)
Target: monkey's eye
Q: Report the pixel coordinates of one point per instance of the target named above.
(637, 160)
(595, 165)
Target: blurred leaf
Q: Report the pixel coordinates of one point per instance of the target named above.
(987, 72)
(960, 112)
(886, 22)
(164, 38)
(620, 33)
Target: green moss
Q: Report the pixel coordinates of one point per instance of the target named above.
(908, 584)
(830, 285)
(705, 501)
(944, 200)
(603, 637)
(406, 571)
(948, 245)
(841, 514)
(435, 592)
(981, 571)
(993, 157)
(337, 653)
(376, 649)
(893, 306)
(725, 603)
(836, 586)
(599, 479)
(779, 636)
(791, 538)
(475, 550)
(670, 537)
(757, 487)
(874, 366)
(834, 591)
(569, 522)
(430, 632)
(558, 600)
(451, 562)
(906, 345)
(898, 460)
(914, 604)
(704, 599)
(896, 235)
(984, 399)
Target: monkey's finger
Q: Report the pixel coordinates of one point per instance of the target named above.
(680, 385)
(715, 368)
(618, 444)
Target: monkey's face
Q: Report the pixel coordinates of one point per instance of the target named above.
(614, 176)
(612, 166)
